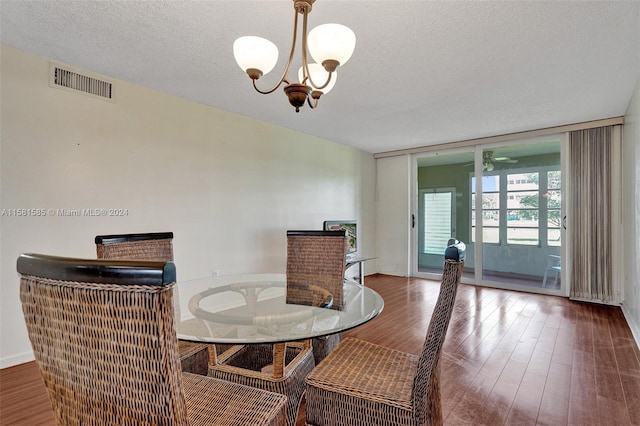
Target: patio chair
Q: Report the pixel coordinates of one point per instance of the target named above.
(361, 383)
(318, 258)
(103, 336)
(555, 267)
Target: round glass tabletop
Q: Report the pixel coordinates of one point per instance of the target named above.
(254, 308)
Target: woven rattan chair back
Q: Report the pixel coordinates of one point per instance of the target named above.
(426, 389)
(317, 258)
(155, 246)
(103, 337)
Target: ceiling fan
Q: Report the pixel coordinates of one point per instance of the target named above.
(488, 161)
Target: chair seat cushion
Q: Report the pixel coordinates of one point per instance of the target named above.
(360, 375)
(230, 404)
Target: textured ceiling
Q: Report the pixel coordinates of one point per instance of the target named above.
(423, 72)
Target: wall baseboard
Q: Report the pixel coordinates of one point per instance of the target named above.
(635, 328)
(595, 301)
(16, 359)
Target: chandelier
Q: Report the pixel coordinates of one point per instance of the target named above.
(330, 45)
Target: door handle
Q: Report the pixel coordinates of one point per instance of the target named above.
(413, 221)
(564, 222)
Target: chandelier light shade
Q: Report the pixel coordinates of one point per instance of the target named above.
(318, 73)
(330, 45)
(331, 41)
(255, 53)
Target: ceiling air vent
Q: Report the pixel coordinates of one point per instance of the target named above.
(72, 80)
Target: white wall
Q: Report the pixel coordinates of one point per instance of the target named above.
(227, 186)
(631, 213)
(393, 209)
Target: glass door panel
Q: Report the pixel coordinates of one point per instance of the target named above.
(443, 210)
(521, 210)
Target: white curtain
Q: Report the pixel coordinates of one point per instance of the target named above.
(590, 214)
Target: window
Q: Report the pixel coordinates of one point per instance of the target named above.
(553, 198)
(490, 209)
(519, 208)
(523, 208)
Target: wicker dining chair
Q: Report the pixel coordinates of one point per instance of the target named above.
(279, 368)
(318, 258)
(103, 336)
(362, 383)
(154, 246)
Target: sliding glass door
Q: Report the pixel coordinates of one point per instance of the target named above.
(442, 209)
(520, 211)
(505, 202)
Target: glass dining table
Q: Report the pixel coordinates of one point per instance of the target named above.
(253, 309)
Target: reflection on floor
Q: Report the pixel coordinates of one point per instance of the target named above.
(504, 278)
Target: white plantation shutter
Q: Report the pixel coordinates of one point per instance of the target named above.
(438, 221)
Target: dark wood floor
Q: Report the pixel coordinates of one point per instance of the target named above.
(510, 358)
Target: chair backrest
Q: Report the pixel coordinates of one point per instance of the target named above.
(103, 337)
(426, 391)
(157, 246)
(554, 261)
(317, 258)
(152, 246)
